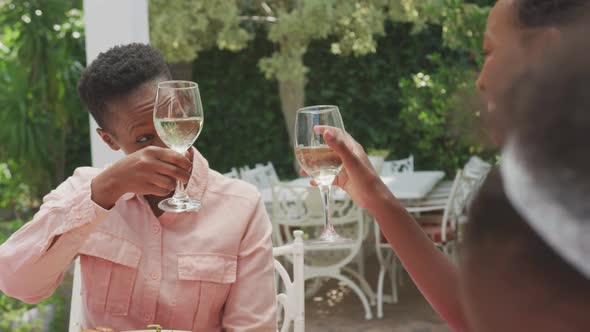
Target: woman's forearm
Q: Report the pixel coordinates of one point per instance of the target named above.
(432, 271)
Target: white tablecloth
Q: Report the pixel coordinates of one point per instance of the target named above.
(413, 185)
(405, 186)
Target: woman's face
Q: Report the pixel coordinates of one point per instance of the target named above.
(505, 55)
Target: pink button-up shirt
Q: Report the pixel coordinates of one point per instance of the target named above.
(210, 270)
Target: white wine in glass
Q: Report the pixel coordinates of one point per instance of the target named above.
(178, 118)
(179, 134)
(320, 162)
(318, 159)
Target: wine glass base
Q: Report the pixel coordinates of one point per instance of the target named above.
(180, 205)
(328, 238)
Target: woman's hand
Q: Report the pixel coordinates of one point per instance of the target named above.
(357, 177)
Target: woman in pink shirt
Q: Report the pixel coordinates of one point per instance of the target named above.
(208, 271)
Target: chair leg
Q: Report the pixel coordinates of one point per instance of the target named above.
(449, 250)
(393, 278)
(364, 284)
(380, 281)
(361, 261)
(359, 293)
(400, 275)
(313, 288)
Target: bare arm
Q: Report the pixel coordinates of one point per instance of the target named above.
(434, 274)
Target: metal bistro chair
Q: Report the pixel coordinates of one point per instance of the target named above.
(392, 167)
(232, 174)
(262, 176)
(299, 207)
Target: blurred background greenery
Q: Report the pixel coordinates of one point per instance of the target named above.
(396, 68)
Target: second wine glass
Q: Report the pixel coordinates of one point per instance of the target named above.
(178, 118)
(318, 159)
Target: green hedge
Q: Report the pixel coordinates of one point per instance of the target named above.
(244, 123)
(368, 90)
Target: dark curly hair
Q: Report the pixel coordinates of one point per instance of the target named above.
(116, 73)
(539, 13)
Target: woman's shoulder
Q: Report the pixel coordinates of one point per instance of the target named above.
(218, 184)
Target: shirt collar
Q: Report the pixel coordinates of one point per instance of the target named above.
(199, 176)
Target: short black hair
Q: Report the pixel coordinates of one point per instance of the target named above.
(117, 72)
(539, 13)
(494, 224)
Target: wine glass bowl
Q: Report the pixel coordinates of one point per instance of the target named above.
(178, 119)
(318, 160)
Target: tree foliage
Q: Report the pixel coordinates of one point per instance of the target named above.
(41, 57)
(383, 101)
(183, 29)
(186, 28)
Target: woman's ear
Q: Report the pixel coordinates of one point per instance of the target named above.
(108, 139)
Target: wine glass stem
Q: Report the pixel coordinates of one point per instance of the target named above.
(325, 192)
(179, 193)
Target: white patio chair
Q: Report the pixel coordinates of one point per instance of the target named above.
(76, 314)
(436, 200)
(442, 230)
(477, 168)
(243, 169)
(233, 174)
(391, 167)
(299, 207)
(262, 176)
(271, 172)
(388, 265)
(290, 301)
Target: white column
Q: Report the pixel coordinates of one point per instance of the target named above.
(109, 23)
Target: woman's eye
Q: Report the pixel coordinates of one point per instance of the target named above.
(144, 139)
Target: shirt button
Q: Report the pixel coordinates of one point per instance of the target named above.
(155, 276)
(147, 319)
(155, 229)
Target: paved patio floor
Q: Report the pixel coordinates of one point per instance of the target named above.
(336, 308)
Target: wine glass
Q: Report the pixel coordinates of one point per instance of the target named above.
(178, 118)
(318, 159)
